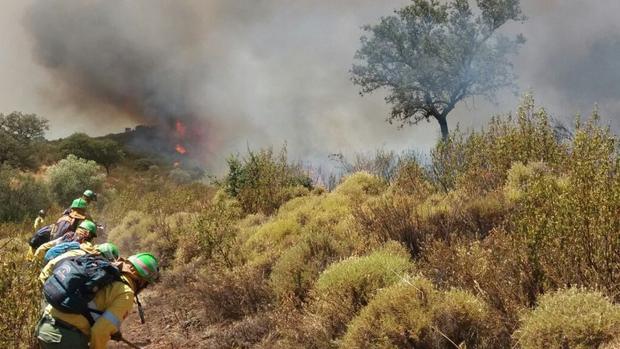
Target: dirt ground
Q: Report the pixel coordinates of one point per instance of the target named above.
(163, 328)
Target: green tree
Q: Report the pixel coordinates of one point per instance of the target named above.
(108, 153)
(20, 137)
(70, 176)
(430, 55)
(105, 152)
(21, 195)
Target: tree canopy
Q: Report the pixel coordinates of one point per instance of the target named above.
(105, 152)
(19, 136)
(431, 55)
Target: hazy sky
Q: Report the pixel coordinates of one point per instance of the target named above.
(264, 72)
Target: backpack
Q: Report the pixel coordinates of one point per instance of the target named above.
(63, 225)
(76, 280)
(41, 236)
(60, 249)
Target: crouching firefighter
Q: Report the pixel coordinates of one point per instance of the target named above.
(89, 297)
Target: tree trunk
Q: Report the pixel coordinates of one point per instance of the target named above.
(443, 124)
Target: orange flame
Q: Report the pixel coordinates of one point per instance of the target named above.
(180, 149)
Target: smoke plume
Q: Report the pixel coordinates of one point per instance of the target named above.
(257, 73)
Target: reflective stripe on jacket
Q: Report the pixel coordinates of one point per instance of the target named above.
(114, 300)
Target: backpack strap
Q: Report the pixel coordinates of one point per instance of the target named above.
(88, 314)
(91, 314)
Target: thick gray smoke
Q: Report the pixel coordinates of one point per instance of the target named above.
(257, 73)
(264, 72)
(571, 57)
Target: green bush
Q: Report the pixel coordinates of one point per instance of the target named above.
(152, 195)
(412, 313)
(132, 233)
(570, 318)
(21, 195)
(347, 286)
(263, 181)
(390, 217)
(357, 186)
(479, 161)
(413, 179)
(71, 176)
(295, 272)
(328, 213)
(213, 236)
(567, 220)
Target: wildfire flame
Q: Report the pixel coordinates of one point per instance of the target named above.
(180, 128)
(180, 149)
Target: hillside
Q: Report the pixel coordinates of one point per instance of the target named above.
(507, 237)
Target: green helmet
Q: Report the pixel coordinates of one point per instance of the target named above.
(79, 203)
(146, 266)
(108, 250)
(91, 195)
(89, 226)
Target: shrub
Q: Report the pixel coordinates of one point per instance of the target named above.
(263, 181)
(212, 236)
(21, 195)
(570, 318)
(383, 163)
(346, 287)
(357, 186)
(180, 176)
(143, 164)
(295, 272)
(479, 161)
(412, 313)
(245, 333)
(20, 292)
(413, 179)
(231, 294)
(412, 221)
(567, 221)
(131, 234)
(390, 217)
(329, 214)
(495, 269)
(70, 176)
(155, 196)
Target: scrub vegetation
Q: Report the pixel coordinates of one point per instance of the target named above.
(504, 237)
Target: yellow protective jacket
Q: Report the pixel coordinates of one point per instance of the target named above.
(48, 269)
(114, 300)
(38, 222)
(39, 254)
